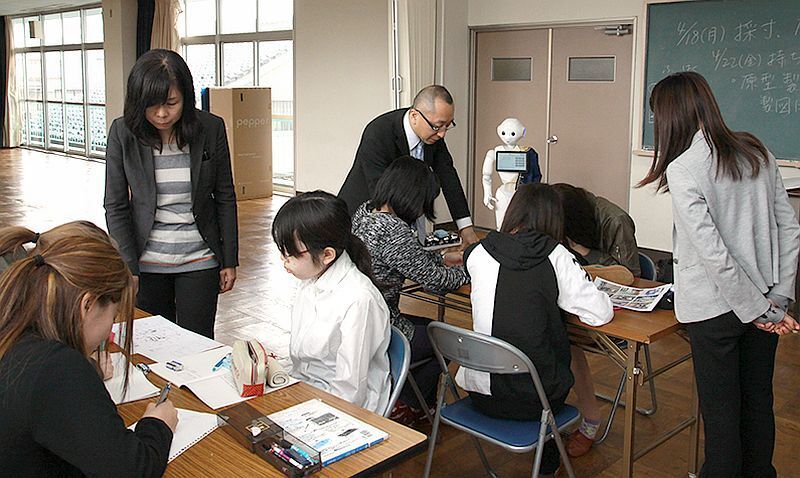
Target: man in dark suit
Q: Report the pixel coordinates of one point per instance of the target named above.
(419, 132)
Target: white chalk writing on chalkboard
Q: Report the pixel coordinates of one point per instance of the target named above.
(748, 50)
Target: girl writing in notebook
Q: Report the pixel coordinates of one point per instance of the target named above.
(340, 323)
(736, 240)
(522, 280)
(56, 305)
(12, 248)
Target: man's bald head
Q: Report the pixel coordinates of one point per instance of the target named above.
(426, 98)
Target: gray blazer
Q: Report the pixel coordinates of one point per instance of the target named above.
(130, 196)
(733, 241)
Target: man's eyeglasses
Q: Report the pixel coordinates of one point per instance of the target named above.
(436, 129)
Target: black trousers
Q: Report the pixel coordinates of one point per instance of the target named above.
(427, 375)
(189, 299)
(733, 365)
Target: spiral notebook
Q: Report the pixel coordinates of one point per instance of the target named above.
(192, 427)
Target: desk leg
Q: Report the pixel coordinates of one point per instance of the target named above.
(694, 432)
(633, 374)
(440, 311)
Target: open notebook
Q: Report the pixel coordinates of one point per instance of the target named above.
(192, 427)
(138, 386)
(214, 387)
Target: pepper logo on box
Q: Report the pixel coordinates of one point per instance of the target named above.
(251, 122)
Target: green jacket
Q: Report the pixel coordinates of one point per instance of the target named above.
(617, 236)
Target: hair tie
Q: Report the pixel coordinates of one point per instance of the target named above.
(35, 238)
(38, 260)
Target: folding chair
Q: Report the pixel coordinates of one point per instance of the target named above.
(647, 266)
(399, 360)
(489, 354)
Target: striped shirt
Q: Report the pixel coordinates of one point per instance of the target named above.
(174, 244)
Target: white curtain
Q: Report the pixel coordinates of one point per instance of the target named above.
(12, 120)
(165, 30)
(417, 46)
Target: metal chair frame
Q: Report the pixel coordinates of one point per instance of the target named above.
(489, 354)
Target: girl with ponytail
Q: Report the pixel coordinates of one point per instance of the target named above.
(340, 323)
(57, 304)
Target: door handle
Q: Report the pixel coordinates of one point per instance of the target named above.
(552, 139)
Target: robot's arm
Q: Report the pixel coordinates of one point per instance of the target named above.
(488, 168)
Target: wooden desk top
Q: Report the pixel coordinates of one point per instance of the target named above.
(643, 327)
(219, 454)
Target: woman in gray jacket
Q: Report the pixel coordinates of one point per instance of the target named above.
(169, 199)
(735, 245)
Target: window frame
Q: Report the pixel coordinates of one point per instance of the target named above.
(42, 49)
(218, 39)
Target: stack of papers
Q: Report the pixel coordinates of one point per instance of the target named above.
(138, 386)
(330, 431)
(633, 298)
(161, 340)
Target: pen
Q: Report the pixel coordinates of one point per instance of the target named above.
(164, 392)
(219, 364)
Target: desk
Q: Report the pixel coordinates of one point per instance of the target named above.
(219, 454)
(638, 329)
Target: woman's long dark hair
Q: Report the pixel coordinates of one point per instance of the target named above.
(535, 207)
(683, 103)
(580, 224)
(409, 187)
(151, 77)
(319, 219)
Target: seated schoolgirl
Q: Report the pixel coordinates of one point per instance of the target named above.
(57, 304)
(405, 192)
(340, 324)
(522, 280)
(13, 249)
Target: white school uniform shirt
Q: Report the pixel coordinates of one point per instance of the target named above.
(340, 336)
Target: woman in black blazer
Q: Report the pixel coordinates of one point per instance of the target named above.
(169, 198)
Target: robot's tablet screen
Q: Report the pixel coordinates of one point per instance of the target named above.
(511, 161)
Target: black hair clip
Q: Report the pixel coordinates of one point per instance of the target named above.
(35, 238)
(38, 260)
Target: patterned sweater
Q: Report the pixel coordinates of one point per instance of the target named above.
(397, 255)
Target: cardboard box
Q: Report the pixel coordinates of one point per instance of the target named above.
(248, 122)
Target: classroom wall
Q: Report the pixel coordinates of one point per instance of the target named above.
(342, 69)
(452, 71)
(119, 30)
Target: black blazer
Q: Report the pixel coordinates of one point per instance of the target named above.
(383, 141)
(130, 197)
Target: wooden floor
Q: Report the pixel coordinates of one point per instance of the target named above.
(41, 190)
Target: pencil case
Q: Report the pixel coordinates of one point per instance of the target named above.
(250, 367)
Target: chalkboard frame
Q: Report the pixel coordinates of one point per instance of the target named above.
(641, 92)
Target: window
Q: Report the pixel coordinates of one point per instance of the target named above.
(246, 43)
(61, 80)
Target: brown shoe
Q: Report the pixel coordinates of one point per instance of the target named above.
(578, 444)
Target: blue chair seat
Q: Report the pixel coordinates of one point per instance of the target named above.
(516, 433)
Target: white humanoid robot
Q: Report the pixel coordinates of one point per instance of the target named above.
(510, 131)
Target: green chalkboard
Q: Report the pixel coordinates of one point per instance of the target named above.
(748, 50)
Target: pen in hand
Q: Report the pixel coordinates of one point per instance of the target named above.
(164, 392)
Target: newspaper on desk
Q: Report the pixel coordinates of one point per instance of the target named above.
(633, 298)
(328, 430)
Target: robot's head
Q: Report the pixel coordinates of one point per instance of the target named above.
(510, 131)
